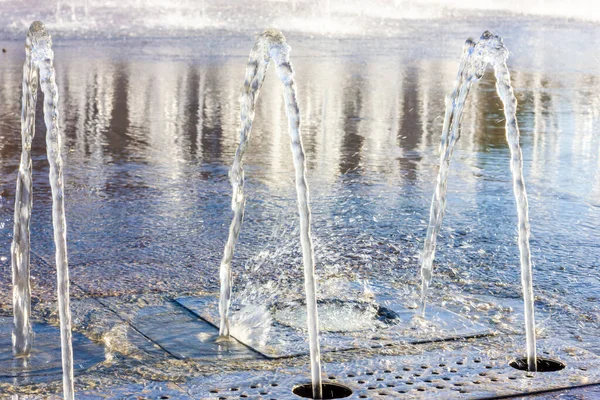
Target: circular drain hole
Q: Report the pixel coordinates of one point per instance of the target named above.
(336, 315)
(543, 365)
(330, 391)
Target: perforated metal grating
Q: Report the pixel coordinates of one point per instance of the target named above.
(442, 375)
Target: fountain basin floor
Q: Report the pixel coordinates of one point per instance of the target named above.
(149, 129)
(466, 371)
(174, 357)
(44, 362)
(286, 341)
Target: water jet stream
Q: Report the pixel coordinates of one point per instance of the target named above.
(476, 56)
(272, 45)
(39, 64)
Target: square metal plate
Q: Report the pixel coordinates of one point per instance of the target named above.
(44, 362)
(173, 329)
(284, 341)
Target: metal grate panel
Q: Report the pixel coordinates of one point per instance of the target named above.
(460, 374)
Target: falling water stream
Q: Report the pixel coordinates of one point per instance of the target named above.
(39, 62)
(455, 103)
(489, 50)
(20, 257)
(272, 45)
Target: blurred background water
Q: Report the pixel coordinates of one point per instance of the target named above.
(377, 18)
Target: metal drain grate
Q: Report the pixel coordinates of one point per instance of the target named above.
(442, 375)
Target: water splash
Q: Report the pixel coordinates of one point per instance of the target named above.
(476, 56)
(39, 63)
(252, 324)
(334, 315)
(272, 45)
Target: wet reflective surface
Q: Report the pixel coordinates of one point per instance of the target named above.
(151, 129)
(44, 362)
